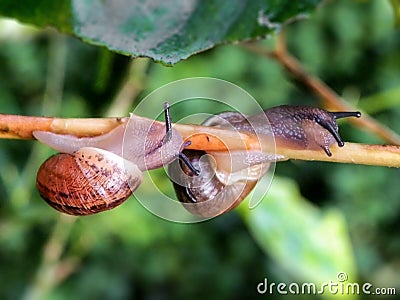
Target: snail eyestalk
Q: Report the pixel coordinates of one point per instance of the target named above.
(329, 126)
(333, 131)
(187, 162)
(168, 128)
(168, 123)
(345, 114)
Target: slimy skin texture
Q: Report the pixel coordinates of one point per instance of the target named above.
(306, 127)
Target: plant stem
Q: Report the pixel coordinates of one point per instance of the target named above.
(202, 138)
(21, 127)
(331, 100)
(53, 268)
(351, 153)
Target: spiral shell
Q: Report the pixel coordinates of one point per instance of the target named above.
(89, 181)
(214, 191)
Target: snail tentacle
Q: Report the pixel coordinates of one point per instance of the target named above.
(345, 114)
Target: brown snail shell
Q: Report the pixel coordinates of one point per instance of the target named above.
(213, 191)
(225, 178)
(88, 181)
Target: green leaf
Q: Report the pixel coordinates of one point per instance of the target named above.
(311, 244)
(40, 13)
(167, 31)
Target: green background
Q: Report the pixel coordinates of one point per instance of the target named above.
(318, 218)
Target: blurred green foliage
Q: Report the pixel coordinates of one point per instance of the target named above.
(332, 216)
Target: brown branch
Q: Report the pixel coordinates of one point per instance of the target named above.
(21, 127)
(202, 138)
(331, 100)
(352, 153)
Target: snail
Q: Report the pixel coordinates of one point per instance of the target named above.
(218, 189)
(91, 175)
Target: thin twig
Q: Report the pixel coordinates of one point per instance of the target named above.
(352, 153)
(130, 88)
(53, 269)
(330, 99)
(204, 138)
(21, 127)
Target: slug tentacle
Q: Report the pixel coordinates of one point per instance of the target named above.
(332, 127)
(333, 130)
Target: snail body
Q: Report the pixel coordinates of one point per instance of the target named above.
(299, 127)
(145, 142)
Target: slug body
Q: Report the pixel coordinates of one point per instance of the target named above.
(305, 127)
(94, 174)
(217, 190)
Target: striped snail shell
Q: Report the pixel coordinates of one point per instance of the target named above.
(89, 181)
